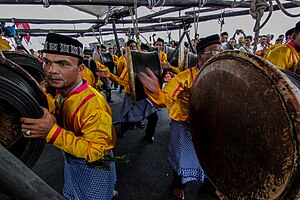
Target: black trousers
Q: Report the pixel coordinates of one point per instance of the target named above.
(151, 125)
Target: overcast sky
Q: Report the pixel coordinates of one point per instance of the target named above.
(277, 25)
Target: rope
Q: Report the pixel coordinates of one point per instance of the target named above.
(257, 9)
(46, 3)
(98, 39)
(221, 20)
(284, 10)
(197, 17)
(235, 3)
(135, 25)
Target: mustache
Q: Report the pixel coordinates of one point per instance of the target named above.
(53, 77)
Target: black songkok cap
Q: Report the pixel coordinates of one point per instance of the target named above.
(130, 41)
(209, 40)
(87, 51)
(224, 33)
(63, 45)
(145, 47)
(160, 40)
(297, 27)
(289, 32)
(103, 46)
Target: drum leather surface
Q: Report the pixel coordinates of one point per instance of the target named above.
(244, 118)
(140, 61)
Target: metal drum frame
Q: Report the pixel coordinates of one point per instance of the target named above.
(245, 125)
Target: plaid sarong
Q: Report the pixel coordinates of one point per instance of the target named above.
(138, 112)
(181, 154)
(84, 183)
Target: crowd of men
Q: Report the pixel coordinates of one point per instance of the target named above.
(79, 122)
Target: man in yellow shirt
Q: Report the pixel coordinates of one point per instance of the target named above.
(133, 114)
(81, 124)
(175, 96)
(287, 56)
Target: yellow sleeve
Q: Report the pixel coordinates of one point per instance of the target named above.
(101, 66)
(115, 59)
(122, 80)
(165, 97)
(121, 65)
(97, 140)
(280, 57)
(178, 69)
(163, 57)
(88, 75)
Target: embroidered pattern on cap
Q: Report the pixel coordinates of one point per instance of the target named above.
(65, 48)
(52, 46)
(74, 49)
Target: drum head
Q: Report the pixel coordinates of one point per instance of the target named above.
(173, 60)
(192, 59)
(244, 119)
(28, 62)
(140, 61)
(108, 61)
(20, 95)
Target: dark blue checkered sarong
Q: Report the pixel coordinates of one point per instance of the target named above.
(181, 154)
(138, 112)
(84, 183)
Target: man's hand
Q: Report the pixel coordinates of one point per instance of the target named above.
(37, 128)
(165, 65)
(103, 73)
(149, 81)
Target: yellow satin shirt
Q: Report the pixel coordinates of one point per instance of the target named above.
(121, 64)
(176, 94)
(88, 75)
(84, 124)
(284, 57)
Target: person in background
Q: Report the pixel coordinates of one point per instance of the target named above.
(287, 56)
(182, 157)
(132, 116)
(247, 47)
(223, 37)
(81, 124)
(288, 34)
(262, 47)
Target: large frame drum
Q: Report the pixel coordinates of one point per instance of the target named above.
(244, 118)
(20, 95)
(137, 62)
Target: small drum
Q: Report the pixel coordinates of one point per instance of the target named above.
(28, 62)
(173, 60)
(137, 62)
(107, 60)
(154, 48)
(20, 95)
(245, 125)
(192, 60)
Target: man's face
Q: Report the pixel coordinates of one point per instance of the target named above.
(62, 71)
(103, 50)
(263, 40)
(233, 42)
(132, 46)
(247, 41)
(297, 41)
(269, 38)
(160, 45)
(223, 38)
(209, 52)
